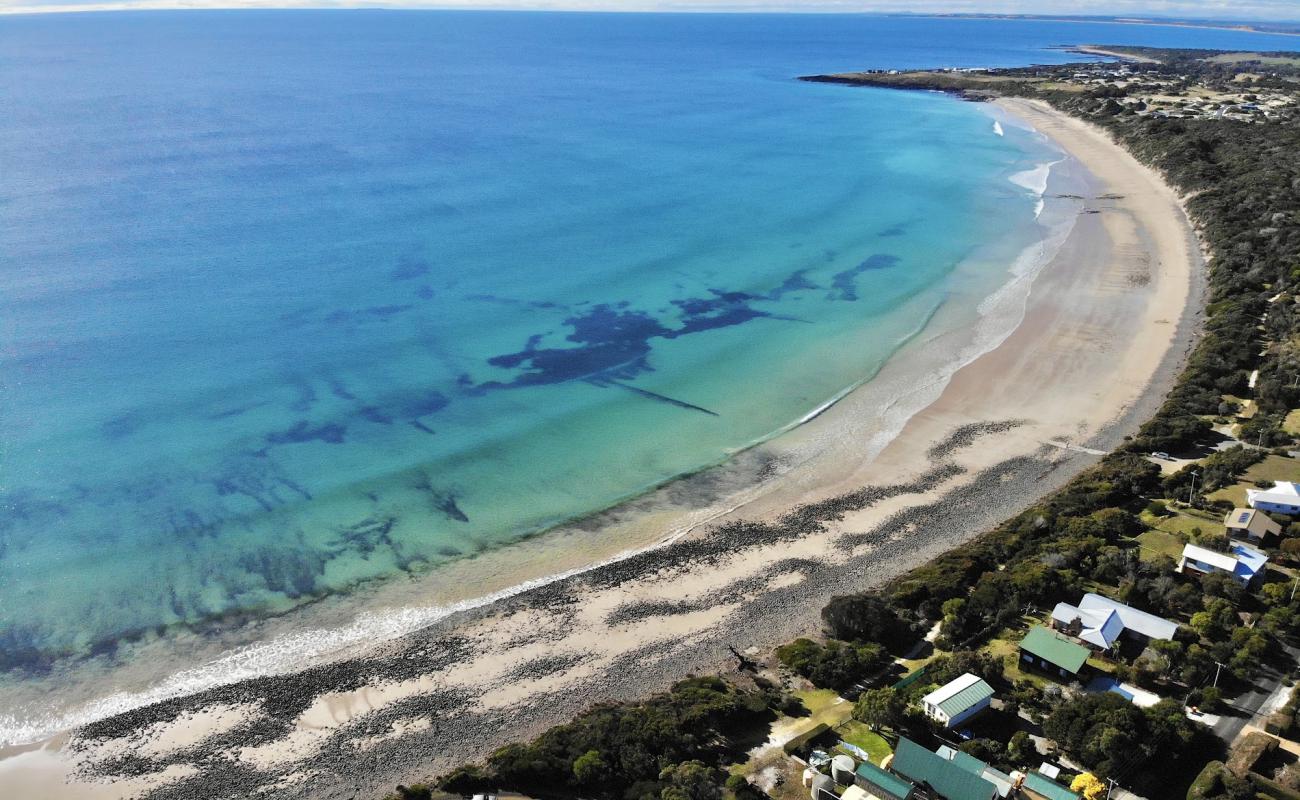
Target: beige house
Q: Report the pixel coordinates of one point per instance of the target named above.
(1247, 523)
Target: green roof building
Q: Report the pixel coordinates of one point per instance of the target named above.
(881, 784)
(957, 701)
(937, 776)
(1054, 654)
(1044, 787)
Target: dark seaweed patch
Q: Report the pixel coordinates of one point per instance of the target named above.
(365, 536)
(289, 571)
(442, 499)
(797, 282)
(613, 341)
(342, 315)
(431, 403)
(845, 283)
(339, 390)
(409, 268)
(123, 425)
(306, 398)
(374, 414)
(304, 431)
(234, 412)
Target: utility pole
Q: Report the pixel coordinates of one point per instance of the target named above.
(1218, 665)
(1111, 783)
(1294, 583)
(1192, 489)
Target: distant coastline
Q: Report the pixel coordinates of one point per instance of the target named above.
(1278, 29)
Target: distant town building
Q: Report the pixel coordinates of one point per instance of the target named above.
(1247, 523)
(1052, 653)
(1243, 562)
(1283, 498)
(958, 700)
(1100, 622)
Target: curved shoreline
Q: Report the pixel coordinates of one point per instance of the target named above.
(669, 615)
(299, 637)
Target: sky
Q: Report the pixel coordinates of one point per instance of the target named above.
(1272, 10)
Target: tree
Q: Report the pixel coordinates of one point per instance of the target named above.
(868, 618)
(1214, 622)
(467, 781)
(835, 664)
(879, 708)
(1021, 750)
(691, 780)
(1087, 785)
(590, 769)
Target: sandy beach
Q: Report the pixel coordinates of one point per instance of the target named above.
(1107, 324)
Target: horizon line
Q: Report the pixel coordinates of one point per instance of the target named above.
(1241, 24)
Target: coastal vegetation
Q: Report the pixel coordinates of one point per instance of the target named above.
(669, 746)
(1240, 175)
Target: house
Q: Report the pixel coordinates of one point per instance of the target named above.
(936, 777)
(1005, 783)
(1284, 498)
(1242, 562)
(1247, 523)
(880, 784)
(1052, 653)
(1040, 787)
(958, 700)
(1099, 622)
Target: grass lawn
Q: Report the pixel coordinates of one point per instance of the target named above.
(1274, 468)
(1183, 520)
(1292, 423)
(857, 733)
(1235, 494)
(1101, 666)
(1008, 649)
(824, 705)
(1157, 543)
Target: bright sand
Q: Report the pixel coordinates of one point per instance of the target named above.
(1108, 313)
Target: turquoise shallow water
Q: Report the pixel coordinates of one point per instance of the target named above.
(295, 301)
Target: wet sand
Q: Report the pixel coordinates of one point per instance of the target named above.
(1105, 329)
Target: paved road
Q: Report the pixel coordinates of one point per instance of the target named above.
(1254, 706)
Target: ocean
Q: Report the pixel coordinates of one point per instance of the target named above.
(294, 304)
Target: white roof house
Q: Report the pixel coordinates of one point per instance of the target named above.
(1284, 497)
(1103, 621)
(1099, 628)
(1241, 561)
(958, 700)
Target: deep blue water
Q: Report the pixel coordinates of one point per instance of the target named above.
(291, 301)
